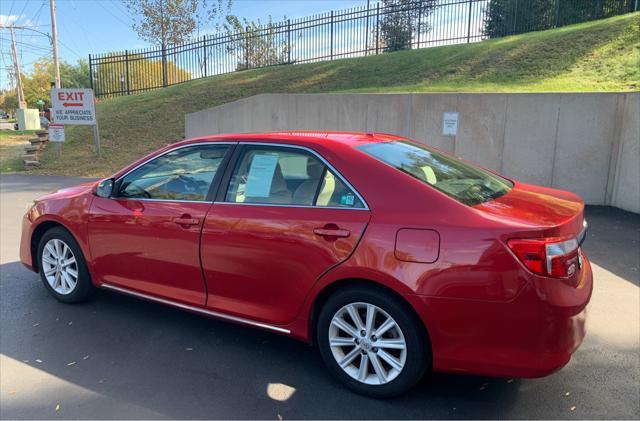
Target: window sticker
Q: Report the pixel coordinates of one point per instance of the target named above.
(347, 199)
(260, 175)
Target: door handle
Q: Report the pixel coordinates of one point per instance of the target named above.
(331, 232)
(186, 220)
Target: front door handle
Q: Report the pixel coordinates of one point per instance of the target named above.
(331, 232)
(186, 220)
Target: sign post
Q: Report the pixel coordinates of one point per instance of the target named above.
(56, 134)
(75, 106)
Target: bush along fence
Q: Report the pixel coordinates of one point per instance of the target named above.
(376, 28)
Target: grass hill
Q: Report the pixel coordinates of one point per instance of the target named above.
(601, 55)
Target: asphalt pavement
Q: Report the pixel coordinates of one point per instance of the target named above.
(118, 357)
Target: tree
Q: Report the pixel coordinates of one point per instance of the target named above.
(256, 44)
(9, 101)
(173, 22)
(37, 84)
(402, 20)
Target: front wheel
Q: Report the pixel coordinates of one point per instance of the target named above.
(371, 342)
(63, 269)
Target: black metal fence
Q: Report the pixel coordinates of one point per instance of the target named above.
(360, 31)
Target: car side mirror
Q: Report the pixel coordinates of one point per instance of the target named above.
(105, 188)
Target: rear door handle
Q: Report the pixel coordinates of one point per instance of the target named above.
(331, 232)
(186, 221)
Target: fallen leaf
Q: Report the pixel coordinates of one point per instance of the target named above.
(71, 363)
(36, 324)
(70, 323)
(86, 357)
(567, 394)
(57, 407)
(39, 361)
(573, 408)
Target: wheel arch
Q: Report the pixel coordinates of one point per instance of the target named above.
(37, 234)
(323, 295)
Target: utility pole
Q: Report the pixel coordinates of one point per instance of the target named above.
(54, 34)
(21, 102)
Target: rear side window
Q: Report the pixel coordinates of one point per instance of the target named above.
(464, 182)
(287, 176)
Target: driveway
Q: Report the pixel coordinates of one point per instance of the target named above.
(116, 357)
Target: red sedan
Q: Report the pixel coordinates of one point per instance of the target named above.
(390, 256)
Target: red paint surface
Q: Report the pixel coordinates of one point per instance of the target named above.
(484, 311)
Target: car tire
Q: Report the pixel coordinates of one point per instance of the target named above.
(62, 267)
(387, 372)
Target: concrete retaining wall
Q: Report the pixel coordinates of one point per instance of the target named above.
(588, 143)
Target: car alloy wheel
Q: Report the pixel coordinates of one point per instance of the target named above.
(60, 266)
(367, 343)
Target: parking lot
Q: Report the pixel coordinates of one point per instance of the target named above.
(118, 357)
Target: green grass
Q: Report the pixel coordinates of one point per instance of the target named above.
(601, 55)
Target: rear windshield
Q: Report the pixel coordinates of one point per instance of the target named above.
(465, 183)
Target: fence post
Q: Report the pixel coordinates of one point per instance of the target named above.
(204, 53)
(332, 35)
(246, 48)
(289, 41)
(377, 27)
(469, 22)
(366, 33)
(126, 66)
(164, 66)
(91, 73)
(419, 22)
(515, 17)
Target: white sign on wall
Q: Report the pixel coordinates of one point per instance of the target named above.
(73, 106)
(56, 132)
(450, 123)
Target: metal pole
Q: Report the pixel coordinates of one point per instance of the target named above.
(366, 34)
(377, 27)
(21, 102)
(96, 137)
(204, 52)
(515, 17)
(289, 41)
(469, 23)
(126, 64)
(332, 35)
(54, 34)
(90, 72)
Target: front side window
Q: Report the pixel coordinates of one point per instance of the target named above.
(182, 174)
(465, 183)
(287, 176)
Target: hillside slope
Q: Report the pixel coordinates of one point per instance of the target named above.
(595, 56)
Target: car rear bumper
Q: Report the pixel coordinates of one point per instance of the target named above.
(533, 335)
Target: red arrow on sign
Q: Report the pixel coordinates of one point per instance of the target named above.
(72, 104)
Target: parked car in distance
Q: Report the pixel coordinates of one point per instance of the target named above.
(391, 257)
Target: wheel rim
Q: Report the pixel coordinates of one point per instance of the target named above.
(59, 266)
(367, 343)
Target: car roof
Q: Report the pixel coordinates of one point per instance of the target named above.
(325, 138)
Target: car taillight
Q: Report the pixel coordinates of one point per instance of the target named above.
(548, 256)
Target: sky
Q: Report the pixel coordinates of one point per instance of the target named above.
(96, 26)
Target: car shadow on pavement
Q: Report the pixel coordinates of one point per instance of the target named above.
(613, 241)
(153, 361)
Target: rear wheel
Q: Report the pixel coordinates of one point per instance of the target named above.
(63, 269)
(371, 342)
